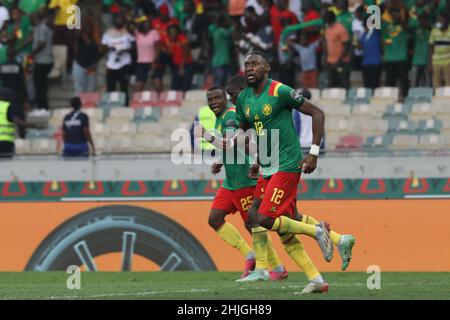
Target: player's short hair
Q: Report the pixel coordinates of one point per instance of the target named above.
(237, 81)
(259, 53)
(216, 88)
(75, 103)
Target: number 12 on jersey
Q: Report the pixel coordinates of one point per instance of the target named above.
(259, 128)
(277, 195)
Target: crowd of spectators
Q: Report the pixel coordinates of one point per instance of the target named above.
(186, 44)
(201, 43)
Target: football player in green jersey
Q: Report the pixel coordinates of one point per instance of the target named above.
(236, 192)
(266, 106)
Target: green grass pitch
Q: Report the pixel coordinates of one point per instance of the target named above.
(217, 285)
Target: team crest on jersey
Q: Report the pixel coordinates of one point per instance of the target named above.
(267, 109)
(247, 112)
(274, 209)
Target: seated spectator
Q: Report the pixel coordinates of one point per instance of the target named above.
(119, 44)
(87, 55)
(182, 62)
(147, 43)
(440, 52)
(76, 132)
(307, 53)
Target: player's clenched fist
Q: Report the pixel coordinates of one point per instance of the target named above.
(253, 171)
(216, 167)
(308, 164)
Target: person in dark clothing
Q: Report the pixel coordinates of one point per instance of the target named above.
(87, 55)
(76, 133)
(43, 57)
(144, 7)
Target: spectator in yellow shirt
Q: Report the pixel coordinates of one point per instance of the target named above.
(62, 35)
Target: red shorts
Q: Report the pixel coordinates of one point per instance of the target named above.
(232, 201)
(278, 194)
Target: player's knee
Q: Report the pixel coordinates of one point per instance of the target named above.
(215, 220)
(249, 225)
(252, 221)
(266, 222)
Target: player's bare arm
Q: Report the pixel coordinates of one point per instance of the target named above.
(309, 163)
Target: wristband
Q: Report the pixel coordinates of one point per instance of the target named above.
(315, 149)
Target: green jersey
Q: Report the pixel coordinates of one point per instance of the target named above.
(346, 19)
(236, 173)
(270, 114)
(395, 39)
(421, 47)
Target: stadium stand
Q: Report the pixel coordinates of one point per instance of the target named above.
(381, 117)
(356, 120)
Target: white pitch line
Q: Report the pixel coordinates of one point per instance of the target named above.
(427, 196)
(144, 293)
(242, 287)
(121, 294)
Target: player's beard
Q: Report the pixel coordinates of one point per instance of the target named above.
(255, 83)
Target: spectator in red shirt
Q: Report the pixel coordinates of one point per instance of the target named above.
(281, 17)
(182, 62)
(309, 11)
(309, 14)
(161, 24)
